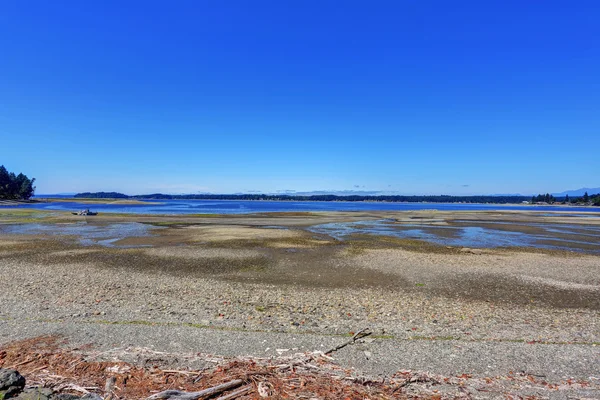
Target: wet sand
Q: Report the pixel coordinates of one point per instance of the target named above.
(267, 274)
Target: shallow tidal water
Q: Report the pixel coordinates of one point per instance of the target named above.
(490, 234)
(86, 234)
(182, 207)
(551, 236)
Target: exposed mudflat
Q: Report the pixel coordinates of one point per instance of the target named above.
(235, 284)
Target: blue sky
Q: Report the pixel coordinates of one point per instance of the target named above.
(410, 97)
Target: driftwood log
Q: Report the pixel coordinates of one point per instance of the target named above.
(236, 394)
(179, 395)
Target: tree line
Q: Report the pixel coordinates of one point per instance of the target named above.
(15, 187)
(327, 197)
(541, 198)
(586, 199)
(101, 195)
(594, 199)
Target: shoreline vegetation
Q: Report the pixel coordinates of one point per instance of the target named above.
(15, 187)
(584, 200)
(93, 200)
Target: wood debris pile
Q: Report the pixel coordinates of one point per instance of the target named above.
(48, 362)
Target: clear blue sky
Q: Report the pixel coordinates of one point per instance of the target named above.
(414, 97)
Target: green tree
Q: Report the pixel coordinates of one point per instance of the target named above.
(15, 187)
(566, 198)
(26, 188)
(586, 197)
(4, 182)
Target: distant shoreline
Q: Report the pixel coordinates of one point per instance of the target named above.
(152, 198)
(147, 201)
(115, 196)
(91, 200)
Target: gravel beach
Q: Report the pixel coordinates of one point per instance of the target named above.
(244, 286)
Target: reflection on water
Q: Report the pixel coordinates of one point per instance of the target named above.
(571, 229)
(551, 236)
(576, 237)
(571, 215)
(87, 234)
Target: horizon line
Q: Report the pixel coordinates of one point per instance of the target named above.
(297, 194)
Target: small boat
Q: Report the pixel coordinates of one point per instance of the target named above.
(85, 212)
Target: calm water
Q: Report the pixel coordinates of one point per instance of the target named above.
(247, 207)
(558, 236)
(561, 236)
(86, 234)
(551, 236)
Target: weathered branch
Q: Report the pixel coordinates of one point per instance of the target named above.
(358, 335)
(179, 395)
(236, 394)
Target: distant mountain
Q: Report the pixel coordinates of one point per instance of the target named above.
(333, 192)
(511, 194)
(577, 192)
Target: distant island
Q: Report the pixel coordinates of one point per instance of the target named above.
(544, 199)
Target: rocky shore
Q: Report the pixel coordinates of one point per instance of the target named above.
(234, 287)
(13, 386)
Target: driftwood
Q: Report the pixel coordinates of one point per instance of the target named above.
(264, 389)
(179, 395)
(358, 335)
(236, 394)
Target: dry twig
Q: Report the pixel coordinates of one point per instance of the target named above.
(358, 335)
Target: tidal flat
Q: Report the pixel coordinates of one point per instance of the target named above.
(476, 292)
